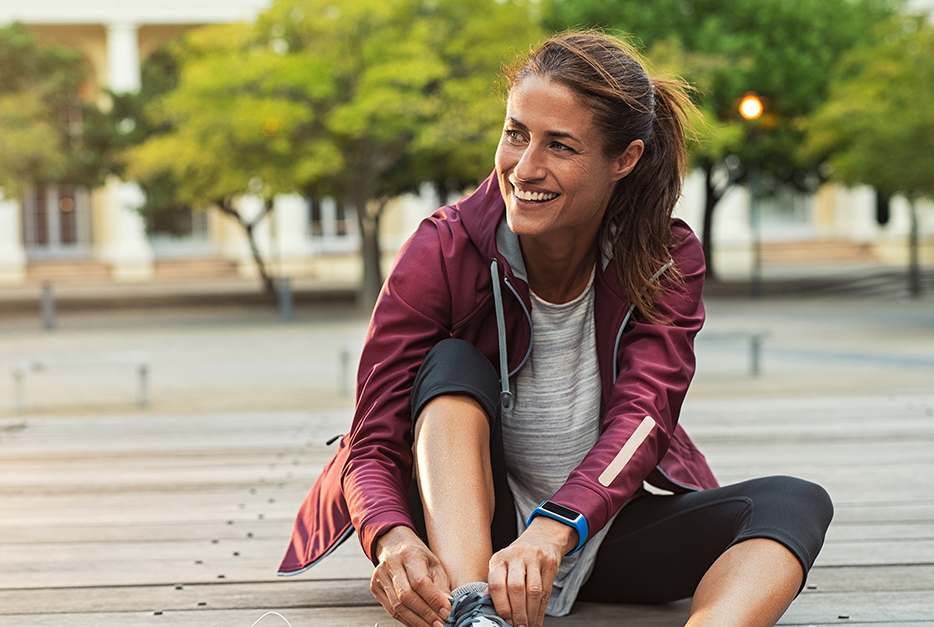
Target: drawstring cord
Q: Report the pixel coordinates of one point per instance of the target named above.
(506, 397)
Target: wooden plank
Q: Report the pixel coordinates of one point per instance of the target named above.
(586, 615)
(145, 563)
(15, 533)
(207, 617)
(873, 577)
(189, 596)
(142, 504)
(861, 606)
(247, 559)
(921, 530)
(879, 552)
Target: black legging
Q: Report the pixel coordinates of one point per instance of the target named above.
(659, 546)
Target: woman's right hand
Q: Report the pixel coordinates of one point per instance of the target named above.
(409, 580)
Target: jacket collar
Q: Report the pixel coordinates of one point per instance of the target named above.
(507, 244)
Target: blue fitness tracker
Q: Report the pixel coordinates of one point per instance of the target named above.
(564, 515)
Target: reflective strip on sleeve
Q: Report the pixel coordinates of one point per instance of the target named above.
(625, 454)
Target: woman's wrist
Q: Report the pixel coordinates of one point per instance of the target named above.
(563, 537)
(396, 536)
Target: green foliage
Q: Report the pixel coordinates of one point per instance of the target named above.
(414, 95)
(877, 127)
(784, 51)
(362, 101)
(374, 95)
(239, 113)
(41, 114)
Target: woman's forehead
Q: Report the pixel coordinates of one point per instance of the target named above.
(538, 100)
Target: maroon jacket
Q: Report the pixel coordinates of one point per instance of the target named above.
(442, 286)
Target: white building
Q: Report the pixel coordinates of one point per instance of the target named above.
(63, 233)
(59, 233)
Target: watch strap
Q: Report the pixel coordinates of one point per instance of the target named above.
(579, 524)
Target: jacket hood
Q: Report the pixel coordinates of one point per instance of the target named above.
(481, 213)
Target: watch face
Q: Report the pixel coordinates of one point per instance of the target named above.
(560, 510)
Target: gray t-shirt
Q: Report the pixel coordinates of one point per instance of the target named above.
(555, 422)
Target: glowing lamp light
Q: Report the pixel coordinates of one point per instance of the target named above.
(750, 107)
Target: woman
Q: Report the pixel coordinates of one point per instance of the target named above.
(523, 375)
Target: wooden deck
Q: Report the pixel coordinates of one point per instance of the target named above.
(163, 520)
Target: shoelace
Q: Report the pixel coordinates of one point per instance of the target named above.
(469, 608)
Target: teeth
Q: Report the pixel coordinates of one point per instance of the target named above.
(534, 196)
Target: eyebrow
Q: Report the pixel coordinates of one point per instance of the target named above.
(551, 134)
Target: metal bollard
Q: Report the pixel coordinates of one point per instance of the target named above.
(143, 385)
(18, 403)
(48, 306)
(344, 384)
(755, 356)
(285, 299)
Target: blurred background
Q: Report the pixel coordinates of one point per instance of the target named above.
(220, 186)
(199, 200)
(233, 144)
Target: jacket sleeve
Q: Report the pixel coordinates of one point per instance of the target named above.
(656, 365)
(411, 316)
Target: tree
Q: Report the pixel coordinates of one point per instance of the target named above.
(414, 97)
(42, 115)
(240, 121)
(877, 127)
(362, 101)
(784, 51)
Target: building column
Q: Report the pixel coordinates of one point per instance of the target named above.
(12, 253)
(125, 243)
(290, 234)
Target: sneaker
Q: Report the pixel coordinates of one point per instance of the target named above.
(474, 609)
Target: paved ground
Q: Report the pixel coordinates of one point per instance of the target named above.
(241, 356)
(108, 506)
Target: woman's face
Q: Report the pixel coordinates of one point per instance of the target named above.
(552, 172)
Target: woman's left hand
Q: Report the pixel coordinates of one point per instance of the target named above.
(521, 575)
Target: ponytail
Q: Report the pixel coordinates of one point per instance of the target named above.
(638, 219)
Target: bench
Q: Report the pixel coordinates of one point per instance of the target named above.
(138, 360)
(753, 336)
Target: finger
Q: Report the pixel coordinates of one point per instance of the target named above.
(389, 586)
(539, 618)
(543, 606)
(533, 594)
(515, 589)
(423, 596)
(386, 596)
(404, 608)
(496, 582)
(426, 586)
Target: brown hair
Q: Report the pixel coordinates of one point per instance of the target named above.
(607, 75)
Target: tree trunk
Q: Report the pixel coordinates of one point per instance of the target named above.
(269, 284)
(371, 253)
(914, 270)
(711, 198)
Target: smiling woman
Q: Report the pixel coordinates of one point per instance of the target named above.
(556, 180)
(523, 378)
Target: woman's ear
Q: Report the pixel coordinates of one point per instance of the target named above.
(624, 163)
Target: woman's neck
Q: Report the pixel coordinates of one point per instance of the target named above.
(558, 276)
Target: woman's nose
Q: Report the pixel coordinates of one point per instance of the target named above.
(529, 167)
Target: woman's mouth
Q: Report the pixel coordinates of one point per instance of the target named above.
(534, 196)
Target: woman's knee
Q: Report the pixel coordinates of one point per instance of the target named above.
(791, 511)
(455, 368)
(805, 498)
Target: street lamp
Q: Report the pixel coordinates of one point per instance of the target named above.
(751, 107)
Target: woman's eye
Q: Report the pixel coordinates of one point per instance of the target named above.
(513, 136)
(561, 147)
